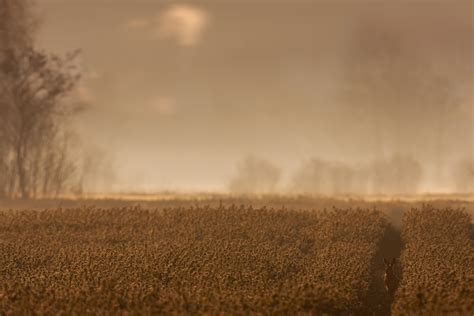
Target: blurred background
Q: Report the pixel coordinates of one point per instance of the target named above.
(328, 97)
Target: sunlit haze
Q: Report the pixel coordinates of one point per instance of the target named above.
(178, 93)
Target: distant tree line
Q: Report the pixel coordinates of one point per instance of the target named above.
(255, 175)
(34, 142)
(398, 174)
(396, 93)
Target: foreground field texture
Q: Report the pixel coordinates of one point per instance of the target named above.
(392, 207)
(230, 260)
(437, 263)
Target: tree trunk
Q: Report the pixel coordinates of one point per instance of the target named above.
(22, 183)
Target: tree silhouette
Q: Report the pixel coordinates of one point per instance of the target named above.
(255, 175)
(33, 141)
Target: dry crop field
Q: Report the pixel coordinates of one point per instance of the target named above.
(224, 259)
(438, 263)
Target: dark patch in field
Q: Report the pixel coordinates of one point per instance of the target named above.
(379, 301)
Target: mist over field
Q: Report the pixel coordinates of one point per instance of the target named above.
(270, 96)
(266, 157)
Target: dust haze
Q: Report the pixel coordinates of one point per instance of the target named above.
(271, 96)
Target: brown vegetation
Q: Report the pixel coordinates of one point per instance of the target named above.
(438, 264)
(195, 260)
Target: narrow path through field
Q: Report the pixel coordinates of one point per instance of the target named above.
(379, 301)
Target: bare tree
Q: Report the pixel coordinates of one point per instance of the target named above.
(396, 91)
(398, 175)
(32, 115)
(15, 34)
(318, 176)
(16, 26)
(33, 110)
(95, 172)
(255, 175)
(314, 177)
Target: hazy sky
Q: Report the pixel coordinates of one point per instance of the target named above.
(178, 92)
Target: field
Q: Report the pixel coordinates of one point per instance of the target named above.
(438, 263)
(282, 255)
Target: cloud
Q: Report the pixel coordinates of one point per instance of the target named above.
(183, 23)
